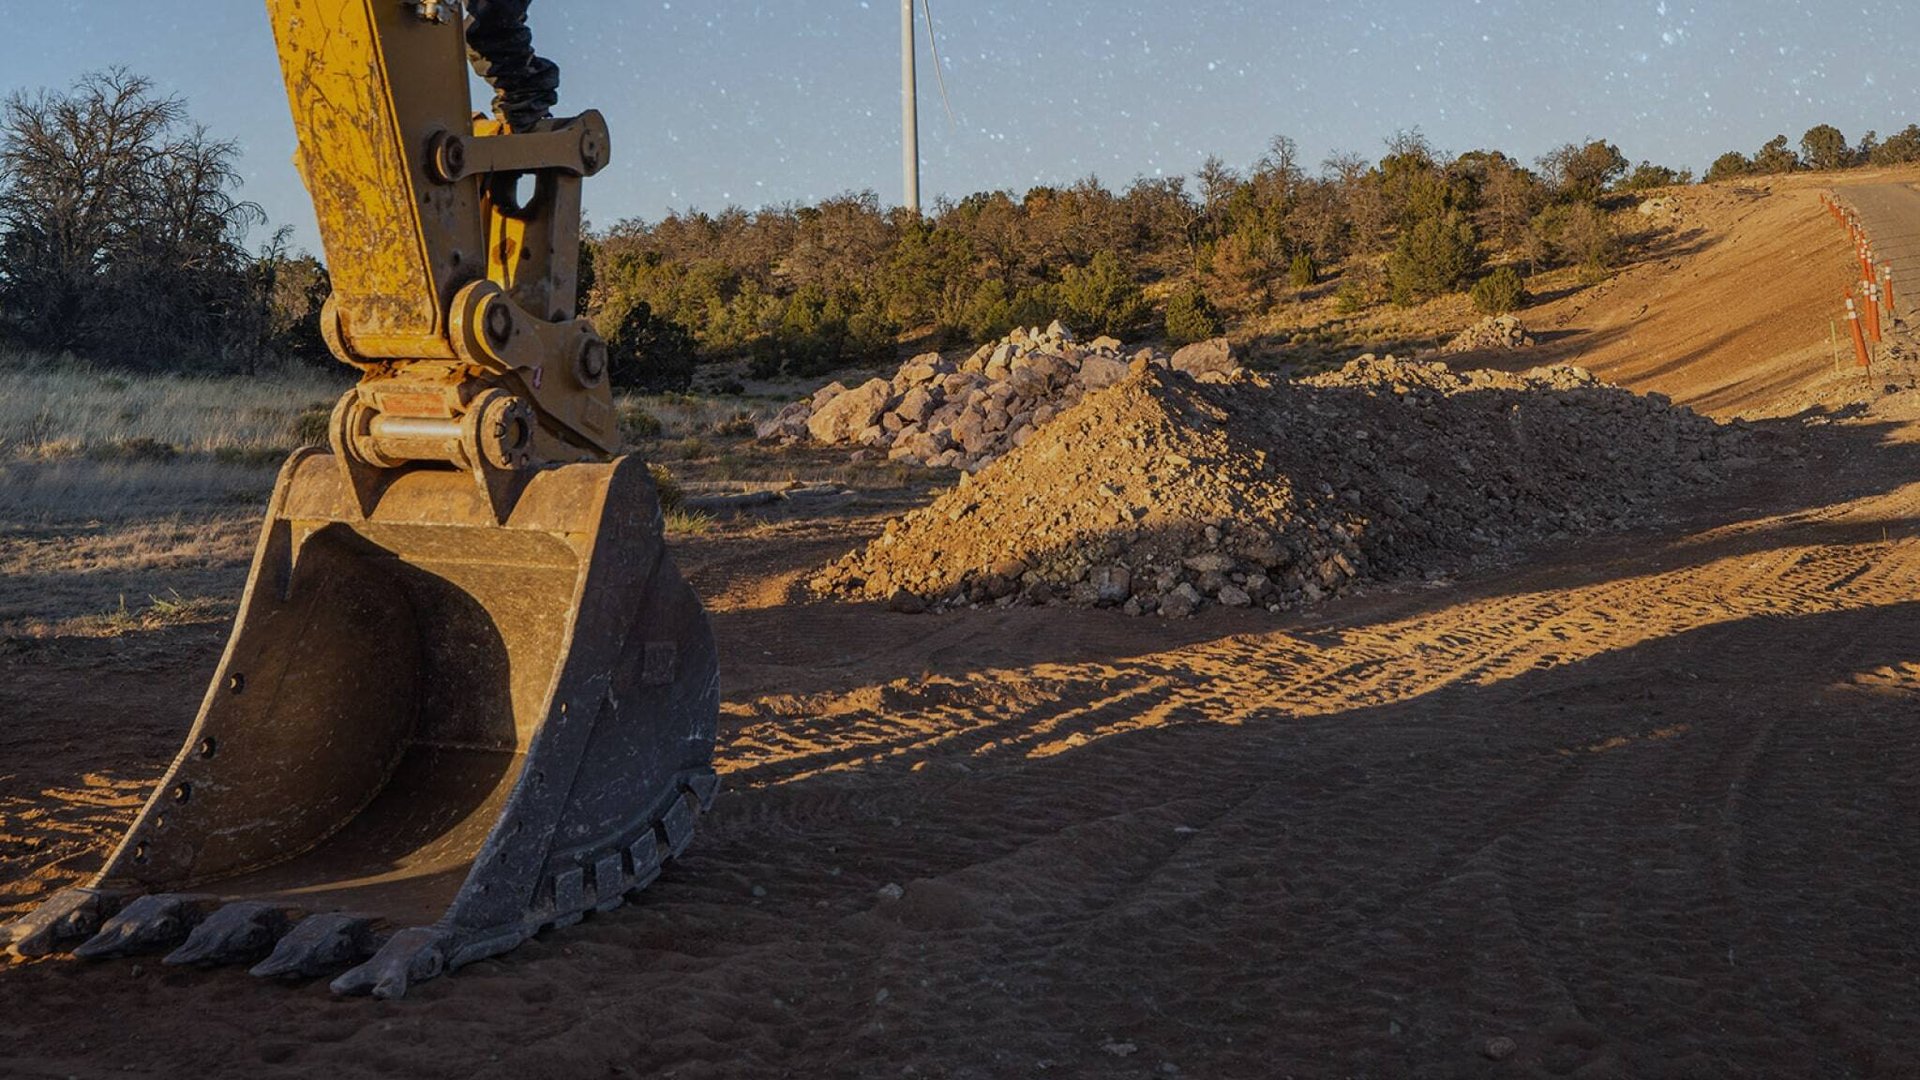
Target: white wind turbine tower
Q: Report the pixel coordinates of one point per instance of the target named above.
(910, 97)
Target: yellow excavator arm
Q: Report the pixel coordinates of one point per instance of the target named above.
(467, 696)
(453, 246)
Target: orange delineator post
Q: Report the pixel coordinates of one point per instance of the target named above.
(1886, 279)
(1859, 342)
(1870, 292)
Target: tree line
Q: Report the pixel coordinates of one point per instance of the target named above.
(804, 289)
(123, 239)
(1823, 147)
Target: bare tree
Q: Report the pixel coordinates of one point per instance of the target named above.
(121, 233)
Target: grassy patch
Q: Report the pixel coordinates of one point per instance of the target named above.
(158, 613)
(684, 522)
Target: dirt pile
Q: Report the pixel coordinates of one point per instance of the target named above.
(964, 415)
(1499, 332)
(1166, 493)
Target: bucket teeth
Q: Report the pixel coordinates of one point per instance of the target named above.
(704, 784)
(149, 922)
(68, 915)
(410, 956)
(319, 944)
(238, 933)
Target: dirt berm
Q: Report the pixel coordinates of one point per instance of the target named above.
(1165, 493)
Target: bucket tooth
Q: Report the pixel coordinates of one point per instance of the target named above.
(645, 856)
(238, 933)
(704, 784)
(676, 827)
(610, 882)
(409, 957)
(319, 944)
(147, 923)
(67, 916)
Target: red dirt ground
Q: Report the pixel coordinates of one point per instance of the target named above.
(1642, 806)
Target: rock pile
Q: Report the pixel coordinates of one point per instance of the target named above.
(1499, 332)
(1166, 494)
(964, 415)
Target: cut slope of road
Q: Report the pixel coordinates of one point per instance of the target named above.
(1730, 313)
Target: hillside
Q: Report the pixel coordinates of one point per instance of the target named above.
(1731, 312)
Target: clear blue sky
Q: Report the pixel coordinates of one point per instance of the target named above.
(751, 103)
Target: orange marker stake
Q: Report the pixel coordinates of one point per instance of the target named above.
(1886, 277)
(1873, 311)
(1859, 342)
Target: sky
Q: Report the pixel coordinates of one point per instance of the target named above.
(747, 103)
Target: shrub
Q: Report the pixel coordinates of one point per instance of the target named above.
(1580, 234)
(1499, 292)
(1102, 296)
(637, 423)
(1901, 147)
(1824, 147)
(1774, 157)
(1190, 317)
(672, 495)
(763, 358)
(1648, 176)
(138, 448)
(649, 352)
(734, 425)
(1302, 273)
(1438, 255)
(824, 330)
(1351, 297)
(1582, 173)
(1731, 164)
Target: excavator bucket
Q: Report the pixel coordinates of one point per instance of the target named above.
(433, 734)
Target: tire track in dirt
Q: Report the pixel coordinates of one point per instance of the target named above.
(1236, 679)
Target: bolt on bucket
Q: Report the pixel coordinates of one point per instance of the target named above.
(432, 734)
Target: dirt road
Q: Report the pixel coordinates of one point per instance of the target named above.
(1640, 807)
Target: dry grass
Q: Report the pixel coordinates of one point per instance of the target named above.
(61, 409)
(57, 577)
(122, 491)
(675, 417)
(155, 613)
(683, 522)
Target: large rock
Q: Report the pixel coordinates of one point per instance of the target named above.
(1027, 382)
(1100, 372)
(970, 431)
(921, 370)
(921, 446)
(846, 416)
(1206, 357)
(916, 406)
(788, 423)
(827, 393)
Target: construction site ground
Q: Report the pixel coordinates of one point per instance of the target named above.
(1636, 806)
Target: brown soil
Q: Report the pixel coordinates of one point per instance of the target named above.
(1643, 807)
(1730, 310)
(1163, 493)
